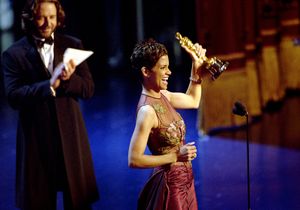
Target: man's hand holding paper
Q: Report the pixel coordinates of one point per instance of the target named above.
(77, 55)
(68, 70)
(64, 70)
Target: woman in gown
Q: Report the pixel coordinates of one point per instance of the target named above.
(160, 127)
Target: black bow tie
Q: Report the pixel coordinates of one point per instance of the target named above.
(40, 42)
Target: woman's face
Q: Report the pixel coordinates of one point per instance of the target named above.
(46, 19)
(160, 73)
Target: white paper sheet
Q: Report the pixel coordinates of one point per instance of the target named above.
(77, 55)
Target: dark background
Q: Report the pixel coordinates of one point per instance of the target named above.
(109, 27)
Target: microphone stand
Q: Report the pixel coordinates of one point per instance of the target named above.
(248, 165)
(240, 109)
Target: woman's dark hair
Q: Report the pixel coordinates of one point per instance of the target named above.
(29, 12)
(146, 54)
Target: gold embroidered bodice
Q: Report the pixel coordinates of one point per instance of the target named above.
(170, 133)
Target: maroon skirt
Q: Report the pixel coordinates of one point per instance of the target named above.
(169, 188)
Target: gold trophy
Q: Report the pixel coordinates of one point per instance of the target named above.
(213, 65)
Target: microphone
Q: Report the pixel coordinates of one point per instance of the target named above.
(239, 109)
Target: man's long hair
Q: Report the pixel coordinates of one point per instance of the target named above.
(29, 12)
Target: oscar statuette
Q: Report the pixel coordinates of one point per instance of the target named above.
(213, 65)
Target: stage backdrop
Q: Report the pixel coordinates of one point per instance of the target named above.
(259, 38)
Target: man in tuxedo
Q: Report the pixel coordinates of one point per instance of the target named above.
(53, 151)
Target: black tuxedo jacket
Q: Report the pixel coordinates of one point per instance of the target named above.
(49, 124)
